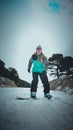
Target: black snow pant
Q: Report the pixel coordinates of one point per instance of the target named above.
(44, 79)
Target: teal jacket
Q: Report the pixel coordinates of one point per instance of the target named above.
(37, 65)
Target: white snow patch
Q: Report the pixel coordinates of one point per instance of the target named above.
(59, 87)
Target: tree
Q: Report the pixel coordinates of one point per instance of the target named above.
(13, 74)
(66, 65)
(54, 64)
(2, 67)
(22, 83)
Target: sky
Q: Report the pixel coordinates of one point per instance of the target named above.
(24, 24)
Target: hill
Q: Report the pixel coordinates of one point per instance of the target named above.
(63, 84)
(5, 82)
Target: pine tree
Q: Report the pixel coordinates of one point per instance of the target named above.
(54, 64)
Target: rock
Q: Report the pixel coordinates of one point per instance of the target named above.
(5, 82)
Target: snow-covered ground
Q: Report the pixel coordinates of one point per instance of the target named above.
(42, 114)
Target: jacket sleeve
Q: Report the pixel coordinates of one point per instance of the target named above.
(46, 63)
(30, 63)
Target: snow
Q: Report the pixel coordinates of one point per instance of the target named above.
(42, 114)
(59, 87)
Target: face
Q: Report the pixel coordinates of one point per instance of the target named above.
(39, 51)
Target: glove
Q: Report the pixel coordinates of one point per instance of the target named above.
(29, 70)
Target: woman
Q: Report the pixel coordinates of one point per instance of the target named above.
(40, 66)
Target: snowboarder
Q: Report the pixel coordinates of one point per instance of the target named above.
(40, 66)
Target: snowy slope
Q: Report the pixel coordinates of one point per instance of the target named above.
(42, 114)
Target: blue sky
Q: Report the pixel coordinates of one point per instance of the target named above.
(26, 23)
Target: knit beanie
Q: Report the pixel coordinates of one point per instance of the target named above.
(39, 47)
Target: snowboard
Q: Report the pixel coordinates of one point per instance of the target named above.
(26, 98)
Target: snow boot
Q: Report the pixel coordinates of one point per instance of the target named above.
(33, 95)
(48, 95)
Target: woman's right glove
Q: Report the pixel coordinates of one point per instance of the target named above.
(29, 70)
